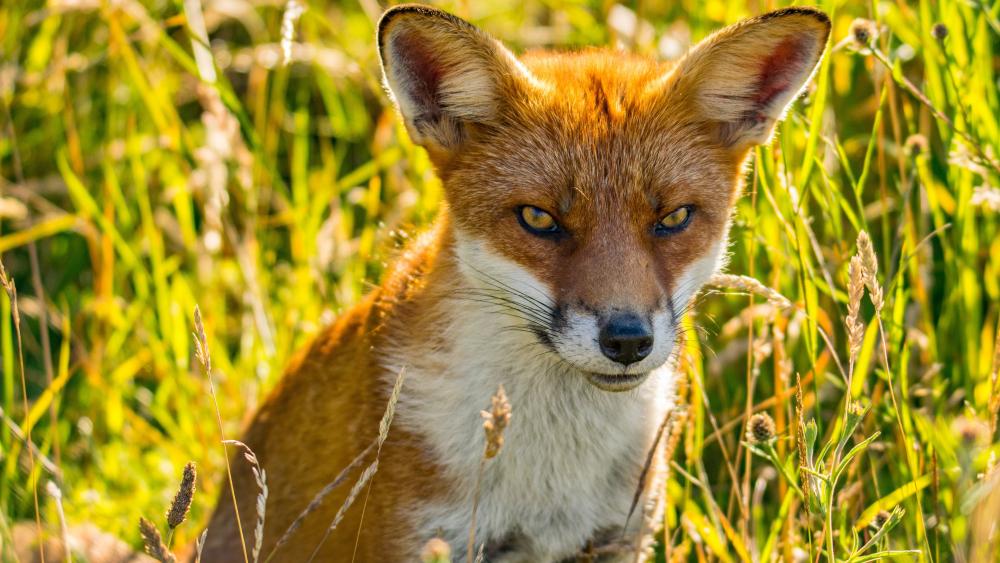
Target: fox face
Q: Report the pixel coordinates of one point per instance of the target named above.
(590, 193)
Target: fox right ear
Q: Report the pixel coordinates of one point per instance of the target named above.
(743, 78)
(444, 74)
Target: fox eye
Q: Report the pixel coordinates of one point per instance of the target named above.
(675, 221)
(536, 221)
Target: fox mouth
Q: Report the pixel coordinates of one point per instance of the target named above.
(618, 382)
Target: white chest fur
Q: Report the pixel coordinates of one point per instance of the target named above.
(572, 455)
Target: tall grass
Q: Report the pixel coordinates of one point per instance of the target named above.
(158, 154)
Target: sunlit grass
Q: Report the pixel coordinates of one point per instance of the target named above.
(273, 196)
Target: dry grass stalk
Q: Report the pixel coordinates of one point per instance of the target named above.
(18, 432)
(199, 545)
(205, 358)
(260, 477)
(153, 542)
(182, 500)
(676, 431)
(995, 384)
(650, 455)
(11, 289)
(56, 495)
(317, 500)
(369, 472)
(751, 285)
(366, 476)
(800, 440)
(495, 422)
(390, 409)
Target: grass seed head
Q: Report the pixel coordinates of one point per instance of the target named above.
(881, 519)
(153, 542)
(855, 291)
(293, 11)
(495, 421)
(986, 197)
(939, 31)
(863, 32)
(869, 266)
(436, 551)
(761, 429)
(201, 342)
(916, 145)
(182, 500)
(973, 433)
(751, 285)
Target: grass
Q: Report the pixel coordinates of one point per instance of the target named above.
(133, 187)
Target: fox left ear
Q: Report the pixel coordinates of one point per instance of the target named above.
(743, 78)
(445, 75)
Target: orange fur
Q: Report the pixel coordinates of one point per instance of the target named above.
(607, 143)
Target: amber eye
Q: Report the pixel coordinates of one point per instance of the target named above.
(537, 221)
(675, 221)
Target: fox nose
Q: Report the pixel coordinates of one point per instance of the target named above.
(625, 339)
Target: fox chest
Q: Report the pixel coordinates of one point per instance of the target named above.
(567, 473)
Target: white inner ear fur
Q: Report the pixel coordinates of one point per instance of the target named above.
(747, 76)
(441, 73)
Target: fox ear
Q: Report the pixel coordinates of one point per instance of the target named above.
(444, 74)
(744, 77)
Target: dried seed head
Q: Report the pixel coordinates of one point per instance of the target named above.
(182, 500)
(855, 290)
(293, 11)
(881, 519)
(939, 31)
(760, 429)
(495, 422)
(987, 197)
(153, 542)
(856, 409)
(201, 342)
(436, 551)
(751, 285)
(863, 32)
(972, 432)
(10, 288)
(869, 266)
(916, 145)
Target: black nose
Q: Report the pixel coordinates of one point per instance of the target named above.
(625, 339)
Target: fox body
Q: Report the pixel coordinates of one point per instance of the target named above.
(588, 199)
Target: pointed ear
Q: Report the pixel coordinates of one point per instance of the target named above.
(743, 78)
(444, 74)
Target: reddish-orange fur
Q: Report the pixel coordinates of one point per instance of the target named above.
(608, 143)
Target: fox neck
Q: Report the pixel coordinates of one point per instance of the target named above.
(566, 435)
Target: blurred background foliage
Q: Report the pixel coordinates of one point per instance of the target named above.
(242, 156)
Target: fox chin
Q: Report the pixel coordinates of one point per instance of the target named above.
(588, 198)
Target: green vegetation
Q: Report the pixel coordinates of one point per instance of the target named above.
(134, 185)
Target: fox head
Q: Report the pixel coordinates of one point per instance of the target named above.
(592, 191)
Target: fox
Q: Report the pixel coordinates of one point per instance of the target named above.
(588, 197)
